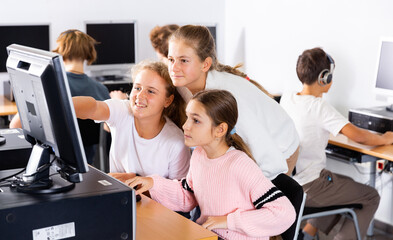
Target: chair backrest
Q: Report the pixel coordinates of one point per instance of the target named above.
(299, 217)
(294, 192)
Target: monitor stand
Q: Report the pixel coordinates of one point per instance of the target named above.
(36, 179)
(2, 140)
(52, 185)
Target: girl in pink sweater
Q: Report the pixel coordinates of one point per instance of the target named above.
(236, 200)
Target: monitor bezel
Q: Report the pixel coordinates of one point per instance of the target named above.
(379, 90)
(113, 69)
(28, 24)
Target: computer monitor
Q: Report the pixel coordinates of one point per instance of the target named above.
(384, 79)
(36, 36)
(49, 123)
(116, 50)
(213, 31)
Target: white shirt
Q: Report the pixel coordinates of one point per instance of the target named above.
(264, 126)
(165, 154)
(315, 120)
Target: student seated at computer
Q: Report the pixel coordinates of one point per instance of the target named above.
(146, 138)
(77, 47)
(236, 200)
(159, 37)
(315, 119)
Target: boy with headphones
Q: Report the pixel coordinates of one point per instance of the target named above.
(315, 120)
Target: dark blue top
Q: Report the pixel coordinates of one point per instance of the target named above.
(82, 85)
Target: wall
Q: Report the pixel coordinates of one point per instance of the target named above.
(273, 33)
(63, 15)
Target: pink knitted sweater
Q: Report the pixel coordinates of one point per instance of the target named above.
(231, 185)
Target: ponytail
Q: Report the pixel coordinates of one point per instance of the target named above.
(234, 70)
(237, 142)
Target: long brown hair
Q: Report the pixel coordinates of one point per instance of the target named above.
(200, 39)
(176, 110)
(221, 107)
(74, 44)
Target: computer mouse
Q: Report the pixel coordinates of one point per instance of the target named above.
(2, 140)
(138, 197)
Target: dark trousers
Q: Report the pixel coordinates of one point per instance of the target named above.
(334, 189)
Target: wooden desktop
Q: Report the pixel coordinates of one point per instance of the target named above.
(379, 152)
(154, 221)
(7, 107)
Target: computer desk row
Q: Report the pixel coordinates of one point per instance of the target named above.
(7, 107)
(369, 154)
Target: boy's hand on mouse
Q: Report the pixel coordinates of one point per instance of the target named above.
(145, 182)
(214, 222)
(123, 177)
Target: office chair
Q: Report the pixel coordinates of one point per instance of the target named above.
(294, 192)
(90, 133)
(346, 210)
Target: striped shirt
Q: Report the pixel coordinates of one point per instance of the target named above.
(231, 185)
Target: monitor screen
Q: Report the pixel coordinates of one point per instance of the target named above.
(213, 31)
(36, 36)
(385, 66)
(45, 107)
(384, 79)
(116, 48)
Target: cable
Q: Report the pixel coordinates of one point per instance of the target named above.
(13, 175)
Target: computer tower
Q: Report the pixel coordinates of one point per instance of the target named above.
(377, 119)
(100, 207)
(16, 151)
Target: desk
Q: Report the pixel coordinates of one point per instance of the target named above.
(154, 221)
(379, 152)
(7, 107)
(370, 154)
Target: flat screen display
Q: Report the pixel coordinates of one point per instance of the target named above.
(36, 36)
(385, 67)
(116, 42)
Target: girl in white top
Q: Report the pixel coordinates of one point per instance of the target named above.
(262, 123)
(146, 138)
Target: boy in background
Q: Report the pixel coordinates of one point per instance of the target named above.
(315, 120)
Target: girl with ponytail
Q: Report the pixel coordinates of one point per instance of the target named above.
(263, 124)
(236, 200)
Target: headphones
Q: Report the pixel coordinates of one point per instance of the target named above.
(326, 75)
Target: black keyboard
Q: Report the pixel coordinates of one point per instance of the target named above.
(110, 78)
(343, 153)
